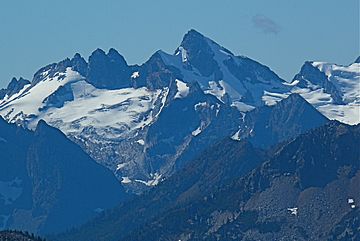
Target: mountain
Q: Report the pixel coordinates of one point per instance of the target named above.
(301, 193)
(13, 87)
(48, 184)
(214, 167)
(330, 88)
(144, 122)
(306, 189)
(333, 89)
(357, 60)
(268, 125)
(235, 79)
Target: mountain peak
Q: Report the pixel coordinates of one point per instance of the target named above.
(193, 39)
(290, 117)
(112, 52)
(98, 52)
(77, 56)
(108, 71)
(14, 87)
(192, 34)
(79, 64)
(195, 49)
(116, 57)
(357, 60)
(21, 82)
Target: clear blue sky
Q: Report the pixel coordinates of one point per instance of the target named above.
(281, 34)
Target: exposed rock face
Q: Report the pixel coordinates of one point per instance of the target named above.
(13, 87)
(108, 71)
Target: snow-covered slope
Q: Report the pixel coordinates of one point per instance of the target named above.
(122, 109)
(333, 89)
(237, 80)
(244, 83)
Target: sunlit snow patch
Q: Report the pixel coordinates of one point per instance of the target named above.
(293, 211)
(242, 107)
(271, 98)
(236, 136)
(196, 132)
(183, 89)
(351, 201)
(125, 180)
(121, 165)
(216, 89)
(135, 75)
(30, 100)
(122, 109)
(183, 54)
(141, 142)
(156, 179)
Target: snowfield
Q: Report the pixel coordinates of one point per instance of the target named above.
(124, 109)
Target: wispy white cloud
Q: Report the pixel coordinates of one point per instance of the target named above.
(266, 24)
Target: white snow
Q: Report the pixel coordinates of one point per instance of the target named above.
(196, 132)
(271, 98)
(99, 108)
(346, 80)
(120, 166)
(315, 97)
(242, 107)
(200, 105)
(183, 89)
(14, 96)
(135, 75)
(183, 54)
(293, 211)
(295, 82)
(163, 95)
(349, 114)
(237, 88)
(230, 85)
(269, 91)
(216, 89)
(141, 142)
(32, 98)
(105, 110)
(125, 180)
(236, 136)
(156, 179)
